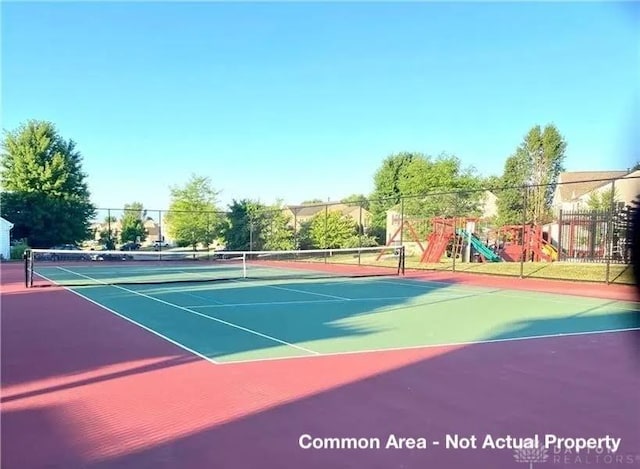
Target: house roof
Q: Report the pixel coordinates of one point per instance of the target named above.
(578, 183)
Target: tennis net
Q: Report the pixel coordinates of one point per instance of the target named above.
(79, 268)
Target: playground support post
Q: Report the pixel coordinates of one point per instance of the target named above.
(609, 249)
(524, 231)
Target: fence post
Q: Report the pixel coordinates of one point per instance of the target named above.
(325, 237)
(454, 246)
(250, 233)
(109, 228)
(560, 233)
(610, 223)
(525, 249)
(360, 232)
(402, 221)
(296, 244)
(360, 225)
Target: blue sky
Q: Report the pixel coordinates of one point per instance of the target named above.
(304, 100)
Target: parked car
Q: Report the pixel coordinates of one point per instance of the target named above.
(130, 246)
(110, 256)
(75, 253)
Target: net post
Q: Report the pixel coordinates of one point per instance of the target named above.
(31, 268)
(25, 256)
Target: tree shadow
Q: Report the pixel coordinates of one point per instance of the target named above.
(254, 413)
(569, 386)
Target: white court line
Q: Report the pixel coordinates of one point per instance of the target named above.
(230, 324)
(200, 297)
(342, 298)
(430, 346)
(350, 300)
(156, 333)
(295, 290)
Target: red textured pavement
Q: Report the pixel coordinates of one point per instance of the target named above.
(84, 388)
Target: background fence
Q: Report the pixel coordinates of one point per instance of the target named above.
(577, 230)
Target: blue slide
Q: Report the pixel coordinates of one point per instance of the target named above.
(479, 246)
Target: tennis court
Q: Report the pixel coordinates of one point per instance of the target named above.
(225, 361)
(286, 312)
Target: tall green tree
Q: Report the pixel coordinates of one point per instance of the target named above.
(277, 228)
(193, 217)
(238, 228)
(511, 198)
(44, 188)
(536, 163)
(388, 186)
(132, 223)
(544, 150)
(251, 225)
(331, 230)
(423, 186)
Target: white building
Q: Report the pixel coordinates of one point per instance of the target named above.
(5, 238)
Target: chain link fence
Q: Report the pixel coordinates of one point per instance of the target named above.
(576, 230)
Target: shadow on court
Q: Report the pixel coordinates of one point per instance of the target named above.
(88, 389)
(583, 385)
(254, 320)
(569, 386)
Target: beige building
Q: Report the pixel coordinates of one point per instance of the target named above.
(301, 213)
(152, 228)
(575, 188)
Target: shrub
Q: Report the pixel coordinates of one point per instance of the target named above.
(17, 250)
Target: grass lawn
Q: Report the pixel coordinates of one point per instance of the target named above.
(618, 273)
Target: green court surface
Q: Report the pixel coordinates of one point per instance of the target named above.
(245, 320)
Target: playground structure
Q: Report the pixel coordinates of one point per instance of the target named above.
(525, 242)
(577, 236)
(451, 236)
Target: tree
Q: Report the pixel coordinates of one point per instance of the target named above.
(422, 186)
(511, 198)
(601, 201)
(544, 152)
(537, 163)
(277, 231)
(45, 193)
(132, 223)
(192, 217)
(108, 233)
(492, 183)
(237, 230)
(251, 225)
(331, 230)
(312, 202)
(357, 199)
